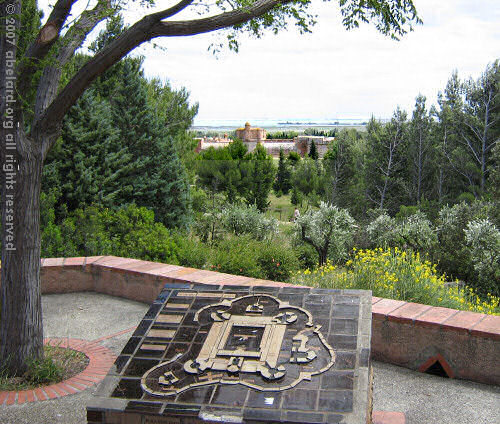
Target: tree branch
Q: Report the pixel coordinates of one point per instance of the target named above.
(212, 23)
(45, 39)
(72, 40)
(147, 28)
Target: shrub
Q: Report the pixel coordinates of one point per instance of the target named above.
(208, 226)
(235, 255)
(395, 274)
(381, 231)
(277, 260)
(130, 232)
(414, 231)
(248, 220)
(483, 240)
(452, 253)
(306, 255)
(192, 252)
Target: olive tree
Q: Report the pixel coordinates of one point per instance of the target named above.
(329, 230)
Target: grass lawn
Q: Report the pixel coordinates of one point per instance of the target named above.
(281, 207)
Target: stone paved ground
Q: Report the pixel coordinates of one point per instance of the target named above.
(423, 398)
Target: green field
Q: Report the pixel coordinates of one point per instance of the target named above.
(281, 207)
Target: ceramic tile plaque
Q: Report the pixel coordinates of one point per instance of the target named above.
(230, 354)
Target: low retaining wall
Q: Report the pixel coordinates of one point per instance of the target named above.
(461, 344)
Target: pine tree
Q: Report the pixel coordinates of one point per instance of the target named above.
(172, 201)
(117, 147)
(282, 183)
(262, 171)
(313, 151)
(87, 167)
(296, 198)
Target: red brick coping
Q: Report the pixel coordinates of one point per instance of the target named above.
(415, 336)
(100, 360)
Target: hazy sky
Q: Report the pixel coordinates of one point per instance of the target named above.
(331, 73)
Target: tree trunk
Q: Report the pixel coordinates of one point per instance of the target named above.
(21, 332)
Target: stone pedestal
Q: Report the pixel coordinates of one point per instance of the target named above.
(208, 354)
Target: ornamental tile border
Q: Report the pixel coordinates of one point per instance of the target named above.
(100, 360)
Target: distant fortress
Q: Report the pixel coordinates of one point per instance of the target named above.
(251, 136)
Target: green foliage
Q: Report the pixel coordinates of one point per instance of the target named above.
(307, 255)
(261, 171)
(208, 226)
(282, 135)
(282, 184)
(385, 161)
(381, 231)
(248, 220)
(483, 239)
(42, 371)
(313, 151)
(277, 261)
(293, 158)
(296, 198)
(243, 255)
(452, 253)
(56, 365)
(416, 233)
(329, 230)
(129, 232)
(306, 179)
(413, 232)
(191, 252)
(320, 133)
(236, 255)
(225, 170)
(342, 170)
(121, 142)
(199, 199)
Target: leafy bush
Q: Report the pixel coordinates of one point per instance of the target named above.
(414, 231)
(277, 261)
(395, 274)
(306, 255)
(236, 255)
(483, 239)
(381, 231)
(191, 252)
(208, 226)
(248, 220)
(129, 232)
(271, 260)
(452, 253)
